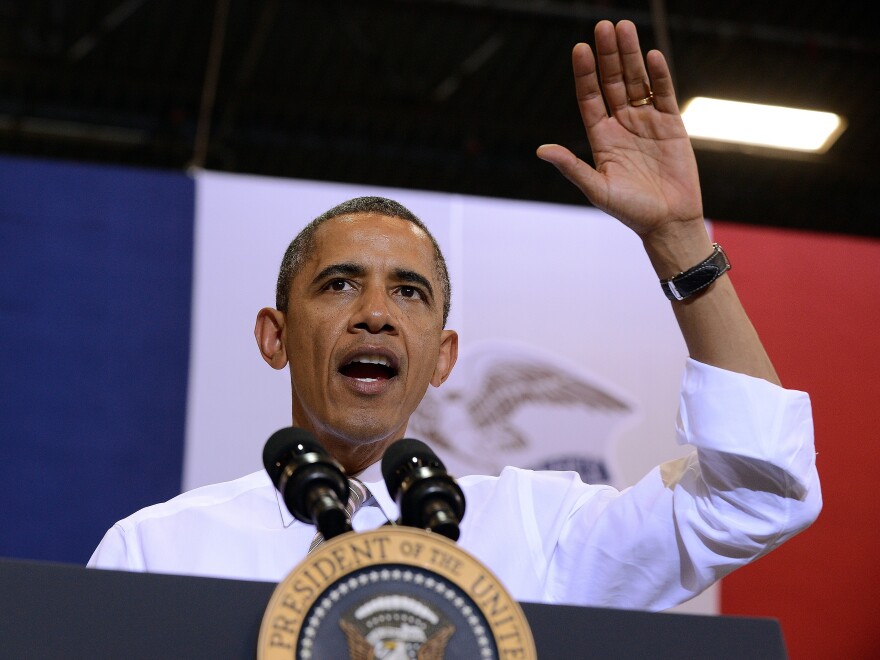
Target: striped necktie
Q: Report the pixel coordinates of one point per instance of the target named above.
(358, 493)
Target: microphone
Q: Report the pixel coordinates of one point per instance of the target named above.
(427, 496)
(312, 483)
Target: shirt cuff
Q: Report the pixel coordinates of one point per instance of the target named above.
(737, 414)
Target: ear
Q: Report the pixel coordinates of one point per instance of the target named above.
(269, 333)
(446, 359)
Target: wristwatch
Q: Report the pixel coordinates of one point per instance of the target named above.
(695, 279)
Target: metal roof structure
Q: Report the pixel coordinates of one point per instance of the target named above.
(445, 95)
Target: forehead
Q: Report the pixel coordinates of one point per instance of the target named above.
(370, 238)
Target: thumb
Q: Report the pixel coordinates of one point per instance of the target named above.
(571, 167)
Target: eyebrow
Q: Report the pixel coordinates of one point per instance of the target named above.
(356, 270)
(351, 270)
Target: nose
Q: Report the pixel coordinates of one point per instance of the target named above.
(374, 312)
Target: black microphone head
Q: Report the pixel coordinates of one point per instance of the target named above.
(404, 456)
(312, 483)
(428, 497)
(289, 441)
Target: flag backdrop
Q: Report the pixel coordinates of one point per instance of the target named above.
(130, 372)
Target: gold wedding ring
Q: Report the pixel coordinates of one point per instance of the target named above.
(645, 101)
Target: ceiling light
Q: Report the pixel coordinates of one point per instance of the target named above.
(761, 125)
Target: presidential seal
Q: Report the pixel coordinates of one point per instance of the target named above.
(395, 593)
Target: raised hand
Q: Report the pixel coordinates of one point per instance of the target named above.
(645, 175)
(645, 171)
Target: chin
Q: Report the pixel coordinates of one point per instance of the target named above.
(365, 431)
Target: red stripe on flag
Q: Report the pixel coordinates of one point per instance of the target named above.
(815, 300)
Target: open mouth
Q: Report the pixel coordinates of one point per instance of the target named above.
(369, 368)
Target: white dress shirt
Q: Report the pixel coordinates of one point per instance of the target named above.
(749, 485)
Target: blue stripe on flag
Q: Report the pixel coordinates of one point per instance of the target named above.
(95, 288)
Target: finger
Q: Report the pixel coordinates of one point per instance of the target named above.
(661, 82)
(610, 66)
(635, 74)
(587, 179)
(586, 86)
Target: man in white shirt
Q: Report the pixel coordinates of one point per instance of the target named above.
(360, 323)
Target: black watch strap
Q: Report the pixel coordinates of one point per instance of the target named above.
(695, 279)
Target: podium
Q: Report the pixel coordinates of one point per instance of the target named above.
(64, 611)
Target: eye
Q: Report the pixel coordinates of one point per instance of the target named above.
(411, 292)
(338, 285)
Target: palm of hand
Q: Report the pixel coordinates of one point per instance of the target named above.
(647, 170)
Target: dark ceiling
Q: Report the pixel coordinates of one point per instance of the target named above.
(447, 95)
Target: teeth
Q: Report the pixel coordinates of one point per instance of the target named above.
(373, 359)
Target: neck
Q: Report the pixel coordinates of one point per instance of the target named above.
(354, 454)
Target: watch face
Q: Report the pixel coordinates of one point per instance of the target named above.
(393, 592)
(697, 278)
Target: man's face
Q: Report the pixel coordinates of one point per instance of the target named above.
(363, 332)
